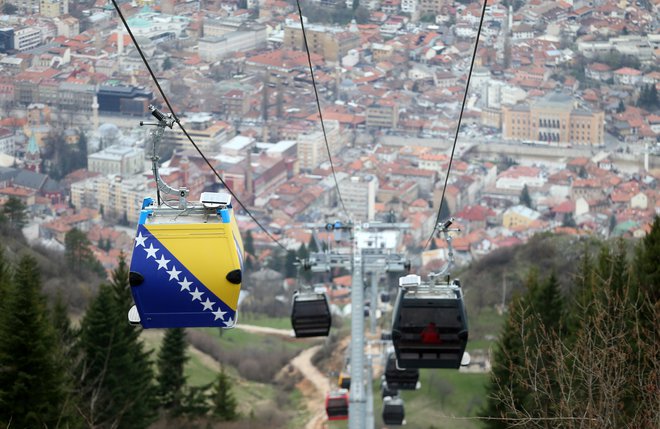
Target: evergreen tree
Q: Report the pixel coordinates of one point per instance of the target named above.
(445, 212)
(312, 246)
(171, 379)
(33, 384)
(621, 107)
(116, 374)
(302, 253)
(78, 252)
(525, 198)
(5, 279)
(290, 269)
(568, 220)
(507, 356)
(15, 212)
(224, 402)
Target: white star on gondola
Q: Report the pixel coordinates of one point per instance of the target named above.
(185, 284)
(208, 304)
(219, 314)
(196, 295)
(140, 239)
(174, 274)
(151, 251)
(162, 262)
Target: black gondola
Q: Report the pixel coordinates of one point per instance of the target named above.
(385, 390)
(385, 297)
(429, 324)
(393, 412)
(336, 405)
(400, 378)
(344, 380)
(310, 315)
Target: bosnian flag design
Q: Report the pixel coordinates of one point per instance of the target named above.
(184, 269)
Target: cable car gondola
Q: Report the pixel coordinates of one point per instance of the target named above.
(385, 390)
(187, 263)
(393, 412)
(344, 380)
(336, 405)
(400, 378)
(429, 324)
(310, 314)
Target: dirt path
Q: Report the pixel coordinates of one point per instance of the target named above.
(315, 384)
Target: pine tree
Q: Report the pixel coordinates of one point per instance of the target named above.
(33, 384)
(117, 377)
(248, 246)
(171, 379)
(5, 279)
(290, 270)
(525, 198)
(224, 402)
(15, 212)
(508, 355)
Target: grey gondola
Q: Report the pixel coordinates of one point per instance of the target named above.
(400, 378)
(429, 327)
(393, 412)
(310, 315)
(385, 390)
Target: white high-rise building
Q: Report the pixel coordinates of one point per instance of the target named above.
(359, 195)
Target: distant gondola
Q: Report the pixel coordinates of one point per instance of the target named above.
(386, 391)
(429, 324)
(400, 378)
(393, 411)
(310, 314)
(344, 380)
(336, 405)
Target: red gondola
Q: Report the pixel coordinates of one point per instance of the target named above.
(336, 405)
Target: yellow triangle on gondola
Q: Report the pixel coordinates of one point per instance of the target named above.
(208, 250)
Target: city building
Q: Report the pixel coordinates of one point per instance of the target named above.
(246, 38)
(553, 119)
(332, 44)
(53, 8)
(117, 159)
(116, 197)
(7, 141)
(359, 195)
(519, 216)
(206, 132)
(120, 99)
(27, 38)
(311, 145)
(383, 114)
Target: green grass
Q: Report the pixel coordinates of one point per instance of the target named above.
(297, 404)
(444, 394)
(265, 321)
(237, 339)
(197, 372)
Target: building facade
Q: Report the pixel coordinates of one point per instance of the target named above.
(116, 159)
(555, 119)
(311, 146)
(331, 45)
(359, 195)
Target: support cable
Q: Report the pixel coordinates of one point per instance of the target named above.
(176, 119)
(318, 106)
(458, 126)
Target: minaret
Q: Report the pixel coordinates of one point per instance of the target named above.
(248, 177)
(120, 41)
(95, 114)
